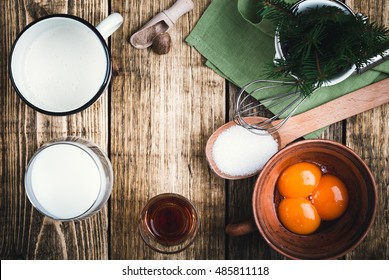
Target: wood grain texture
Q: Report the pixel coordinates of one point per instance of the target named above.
(368, 135)
(251, 246)
(24, 233)
(164, 107)
(348, 105)
(154, 122)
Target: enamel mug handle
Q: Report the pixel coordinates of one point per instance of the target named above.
(109, 25)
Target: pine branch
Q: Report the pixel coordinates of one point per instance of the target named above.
(322, 42)
(276, 10)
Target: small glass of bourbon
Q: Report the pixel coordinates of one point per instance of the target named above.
(168, 223)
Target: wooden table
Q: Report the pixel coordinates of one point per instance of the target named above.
(153, 122)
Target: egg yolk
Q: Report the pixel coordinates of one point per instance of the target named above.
(330, 197)
(299, 180)
(298, 215)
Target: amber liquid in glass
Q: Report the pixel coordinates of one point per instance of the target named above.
(170, 220)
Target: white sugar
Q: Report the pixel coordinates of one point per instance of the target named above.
(239, 152)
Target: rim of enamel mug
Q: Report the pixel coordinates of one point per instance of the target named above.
(280, 53)
(103, 85)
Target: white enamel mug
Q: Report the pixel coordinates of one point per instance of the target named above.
(60, 64)
(303, 5)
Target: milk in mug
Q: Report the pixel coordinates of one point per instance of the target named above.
(60, 65)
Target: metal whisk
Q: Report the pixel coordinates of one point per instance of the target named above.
(288, 98)
(283, 96)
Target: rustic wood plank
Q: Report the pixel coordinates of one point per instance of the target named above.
(365, 130)
(250, 246)
(164, 108)
(24, 233)
(253, 246)
(376, 10)
(368, 135)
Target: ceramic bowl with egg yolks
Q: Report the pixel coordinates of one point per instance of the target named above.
(333, 238)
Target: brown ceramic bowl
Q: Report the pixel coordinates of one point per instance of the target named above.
(334, 238)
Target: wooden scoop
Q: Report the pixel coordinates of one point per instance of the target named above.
(297, 126)
(160, 23)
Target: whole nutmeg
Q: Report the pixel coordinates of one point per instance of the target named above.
(161, 43)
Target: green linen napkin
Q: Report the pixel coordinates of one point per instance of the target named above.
(238, 45)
